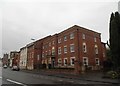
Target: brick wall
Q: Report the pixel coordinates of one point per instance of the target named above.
(84, 50)
(92, 40)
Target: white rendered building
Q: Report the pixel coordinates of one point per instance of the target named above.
(23, 58)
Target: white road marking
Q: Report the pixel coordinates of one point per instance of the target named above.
(16, 82)
(0, 77)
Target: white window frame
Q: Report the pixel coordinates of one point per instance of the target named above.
(43, 55)
(59, 40)
(53, 50)
(46, 54)
(83, 36)
(49, 52)
(71, 61)
(86, 60)
(71, 49)
(95, 40)
(64, 61)
(97, 62)
(65, 38)
(96, 49)
(84, 47)
(38, 57)
(59, 61)
(71, 35)
(65, 51)
(59, 50)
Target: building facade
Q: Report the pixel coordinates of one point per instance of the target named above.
(37, 54)
(14, 58)
(5, 59)
(34, 55)
(76, 47)
(49, 51)
(23, 58)
(104, 51)
(30, 56)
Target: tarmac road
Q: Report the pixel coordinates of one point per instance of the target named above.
(24, 79)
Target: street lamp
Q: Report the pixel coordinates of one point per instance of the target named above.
(32, 39)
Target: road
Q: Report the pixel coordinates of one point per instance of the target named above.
(24, 79)
(0, 73)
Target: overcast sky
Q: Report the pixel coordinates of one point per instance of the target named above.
(22, 20)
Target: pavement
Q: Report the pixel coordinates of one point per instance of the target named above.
(89, 76)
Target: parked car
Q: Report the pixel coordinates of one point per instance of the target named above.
(15, 68)
(5, 66)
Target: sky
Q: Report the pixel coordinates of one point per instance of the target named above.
(21, 20)
(119, 6)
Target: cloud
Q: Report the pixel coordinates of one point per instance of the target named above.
(22, 21)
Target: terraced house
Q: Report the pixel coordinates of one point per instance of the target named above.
(30, 56)
(49, 52)
(23, 58)
(34, 54)
(14, 58)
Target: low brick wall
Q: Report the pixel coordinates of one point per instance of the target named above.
(62, 71)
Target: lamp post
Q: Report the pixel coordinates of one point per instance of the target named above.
(32, 39)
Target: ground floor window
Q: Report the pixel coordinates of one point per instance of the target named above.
(59, 62)
(72, 61)
(85, 61)
(97, 61)
(65, 61)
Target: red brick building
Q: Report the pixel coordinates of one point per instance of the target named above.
(30, 56)
(14, 58)
(104, 51)
(37, 54)
(34, 54)
(49, 51)
(76, 47)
